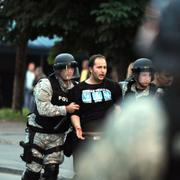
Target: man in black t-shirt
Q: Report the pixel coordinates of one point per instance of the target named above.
(96, 96)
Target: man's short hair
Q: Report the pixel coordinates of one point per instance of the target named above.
(93, 58)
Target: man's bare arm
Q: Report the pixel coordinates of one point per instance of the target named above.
(75, 119)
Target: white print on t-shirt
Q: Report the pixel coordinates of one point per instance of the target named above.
(97, 95)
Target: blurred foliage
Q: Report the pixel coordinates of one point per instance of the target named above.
(54, 51)
(117, 23)
(11, 115)
(32, 17)
(28, 19)
(107, 27)
(103, 26)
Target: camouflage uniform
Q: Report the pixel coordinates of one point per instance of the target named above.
(49, 121)
(43, 94)
(46, 141)
(129, 88)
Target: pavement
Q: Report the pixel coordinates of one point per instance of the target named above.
(10, 162)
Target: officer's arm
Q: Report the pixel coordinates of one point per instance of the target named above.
(43, 95)
(75, 119)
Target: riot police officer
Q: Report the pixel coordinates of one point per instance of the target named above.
(48, 123)
(139, 85)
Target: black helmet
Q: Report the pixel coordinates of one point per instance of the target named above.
(64, 59)
(142, 65)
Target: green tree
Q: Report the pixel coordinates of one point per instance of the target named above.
(108, 27)
(104, 26)
(27, 19)
(117, 24)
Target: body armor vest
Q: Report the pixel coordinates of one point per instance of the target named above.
(59, 98)
(126, 91)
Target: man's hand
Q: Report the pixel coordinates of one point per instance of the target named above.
(72, 107)
(75, 119)
(79, 133)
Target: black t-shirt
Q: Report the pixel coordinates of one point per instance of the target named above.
(95, 100)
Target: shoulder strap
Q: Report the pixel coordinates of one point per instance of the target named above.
(124, 87)
(153, 89)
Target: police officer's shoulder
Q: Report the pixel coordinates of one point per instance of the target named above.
(153, 85)
(43, 83)
(159, 92)
(126, 82)
(154, 88)
(122, 83)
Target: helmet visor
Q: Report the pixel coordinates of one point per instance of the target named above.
(59, 66)
(68, 72)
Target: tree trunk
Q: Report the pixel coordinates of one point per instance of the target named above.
(18, 87)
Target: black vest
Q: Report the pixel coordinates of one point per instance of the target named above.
(59, 98)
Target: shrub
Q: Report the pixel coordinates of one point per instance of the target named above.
(11, 115)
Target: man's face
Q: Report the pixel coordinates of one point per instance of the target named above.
(144, 79)
(99, 69)
(67, 73)
(164, 79)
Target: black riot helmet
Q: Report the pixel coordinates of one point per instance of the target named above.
(65, 60)
(142, 65)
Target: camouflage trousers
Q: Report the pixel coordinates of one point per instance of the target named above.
(46, 141)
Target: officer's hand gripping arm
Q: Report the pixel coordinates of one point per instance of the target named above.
(72, 107)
